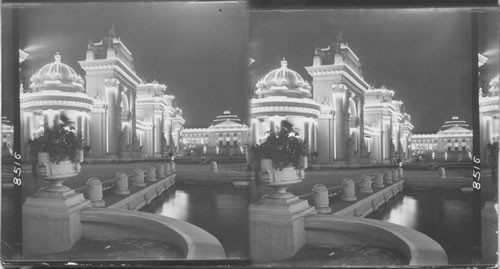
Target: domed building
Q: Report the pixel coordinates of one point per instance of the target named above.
(340, 118)
(56, 89)
(120, 116)
(226, 136)
(284, 95)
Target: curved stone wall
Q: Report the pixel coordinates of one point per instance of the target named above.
(111, 224)
(418, 248)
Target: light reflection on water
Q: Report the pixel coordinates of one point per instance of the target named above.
(404, 213)
(220, 210)
(445, 215)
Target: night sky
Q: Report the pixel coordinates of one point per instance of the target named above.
(200, 50)
(196, 49)
(424, 55)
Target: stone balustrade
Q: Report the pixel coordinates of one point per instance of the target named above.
(166, 167)
(442, 172)
(366, 184)
(139, 178)
(348, 190)
(387, 177)
(394, 173)
(321, 200)
(94, 192)
(379, 180)
(213, 167)
(121, 184)
(160, 171)
(151, 172)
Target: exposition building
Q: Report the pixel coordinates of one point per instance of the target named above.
(489, 102)
(119, 115)
(341, 117)
(453, 142)
(226, 136)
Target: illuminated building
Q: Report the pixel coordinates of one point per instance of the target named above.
(387, 127)
(453, 142)
(54, 90)
(488, 115)
(226, 136)
(7, 137)
(159, 123)
(341, 119)
(284, 95)
(118, 115)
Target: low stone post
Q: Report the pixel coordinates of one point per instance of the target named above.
(94, 192)
(172, 166)
(139, 178)
(167, 169)
(401, 172)
(387, 177)
(379, 180)
(160, 172)
(395, 175)
(366, 185)
(121, 185)
(213, 167)
(442, 172)
(348, 191)
(321, 201)
(151, 174)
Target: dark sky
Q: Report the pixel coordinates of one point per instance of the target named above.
(423, 54)
(200, 50)
(197, 49)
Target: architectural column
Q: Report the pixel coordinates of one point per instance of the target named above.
(340, 95)
(361, 113)
(157, 132)
(113, 135)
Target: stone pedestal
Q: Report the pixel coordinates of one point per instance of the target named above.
(366, 185)
(213, 167)
(395, 175)
(442, 172)
(348, 191)
(379, 180)
(321, 201)
(387, 177)
(51, 222)
(401, 173)
(139, 178)
(160, 171)
(277, 228)
(489, 237)
(166, 167)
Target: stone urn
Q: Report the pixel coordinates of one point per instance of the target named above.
(57, 173)
(280, 179)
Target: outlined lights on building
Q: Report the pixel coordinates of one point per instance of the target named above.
(226, 136)
(489, 102)
(340, 117)
(453, 142)
(119, 115)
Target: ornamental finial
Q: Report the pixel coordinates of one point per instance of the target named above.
(57, 57)
(284, 63)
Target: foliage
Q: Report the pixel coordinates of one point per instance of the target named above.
(283, 148)
(61, 142)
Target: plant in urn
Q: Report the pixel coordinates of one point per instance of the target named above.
(60, 151)
(282, 159)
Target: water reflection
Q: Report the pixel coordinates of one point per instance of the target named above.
(220, 210)
(443, 215)
(405, 213)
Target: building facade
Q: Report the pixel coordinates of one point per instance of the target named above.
(453, 142)
(341, 118)
(226, 136)
(119, 116)
(489, 102)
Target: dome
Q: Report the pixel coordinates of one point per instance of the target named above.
(56, 75)
(283, 78)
